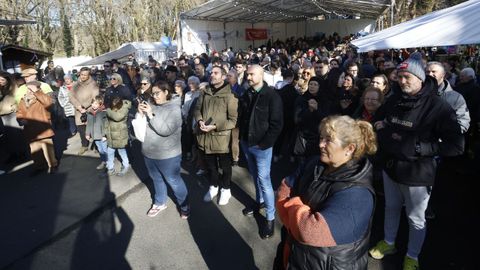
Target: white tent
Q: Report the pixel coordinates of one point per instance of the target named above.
(455, 25)
(159, 50)
(219, 24)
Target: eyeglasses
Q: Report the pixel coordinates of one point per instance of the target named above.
(156, 94)
(113, 79)
(107, 66)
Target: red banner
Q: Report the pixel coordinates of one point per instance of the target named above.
(255, 34)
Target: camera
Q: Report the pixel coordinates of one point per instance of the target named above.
(142, 99)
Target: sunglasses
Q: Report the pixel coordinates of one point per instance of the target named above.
(144, 83)
(113, 79)
(308, 73)
(106, 66)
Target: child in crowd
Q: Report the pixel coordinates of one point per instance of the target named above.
(117, 134)
(96, 117)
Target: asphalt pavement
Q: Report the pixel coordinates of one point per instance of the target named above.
(80, 218)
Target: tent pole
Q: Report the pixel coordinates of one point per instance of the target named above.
(1, 60)
(225, 34)
(180, 35)
(392, 4)
(271, 27)
(253, 40)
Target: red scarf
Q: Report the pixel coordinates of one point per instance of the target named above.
(367, 116)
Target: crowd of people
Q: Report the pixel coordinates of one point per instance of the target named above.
(354, 127)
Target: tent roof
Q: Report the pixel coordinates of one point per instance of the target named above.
(284, 10)
(124, 51)
(451, 26)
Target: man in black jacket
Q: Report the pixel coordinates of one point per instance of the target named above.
(417, 126)
(261, 122)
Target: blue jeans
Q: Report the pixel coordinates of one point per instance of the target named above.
(111, 157)
(259, 162)
(167, 170)
(102, 149)
(416, 201)
(71, 124)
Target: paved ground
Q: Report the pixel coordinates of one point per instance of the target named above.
(82, 219)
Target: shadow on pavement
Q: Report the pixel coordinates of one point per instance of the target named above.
(71, 212)
(220, 245)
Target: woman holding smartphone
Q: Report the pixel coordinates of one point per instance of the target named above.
(162, 148)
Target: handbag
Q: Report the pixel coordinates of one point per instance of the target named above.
(300, 146)
(83, 117)
(139, 125)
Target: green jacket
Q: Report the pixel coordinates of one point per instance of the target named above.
(221, 107)
(116, 126)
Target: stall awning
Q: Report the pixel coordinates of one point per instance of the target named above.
(285, 10)
(455, 25)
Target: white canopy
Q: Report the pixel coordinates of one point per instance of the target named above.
(455, 25)
(141, 50)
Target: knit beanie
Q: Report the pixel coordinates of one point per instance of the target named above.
(413, 65)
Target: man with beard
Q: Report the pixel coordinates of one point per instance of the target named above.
(260, 124)
(417, 126)
(216, 115)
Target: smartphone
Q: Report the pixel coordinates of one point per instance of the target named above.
(208, 122)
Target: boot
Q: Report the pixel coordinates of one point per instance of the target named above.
(268, 229)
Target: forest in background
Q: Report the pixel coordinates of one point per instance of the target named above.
(90, 27)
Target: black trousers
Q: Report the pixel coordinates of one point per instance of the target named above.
(82, 130)
(216, 161)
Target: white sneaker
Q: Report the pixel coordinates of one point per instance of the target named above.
(212, 192)
(225, 195)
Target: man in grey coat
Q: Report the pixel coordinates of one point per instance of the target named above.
(453, 98)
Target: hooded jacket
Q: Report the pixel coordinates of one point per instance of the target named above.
(417, 128)
(328, 216)
(220, 108)
(116, 126)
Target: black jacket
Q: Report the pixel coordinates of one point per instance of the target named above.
(289, 95)
(120, 91)
(307, 122)
(417, 129)
(261, 117)
(314, 189)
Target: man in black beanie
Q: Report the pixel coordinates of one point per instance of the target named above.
(416, 126)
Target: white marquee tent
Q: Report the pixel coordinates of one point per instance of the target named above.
(455, 25)
(142, 50)
(219, 24)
